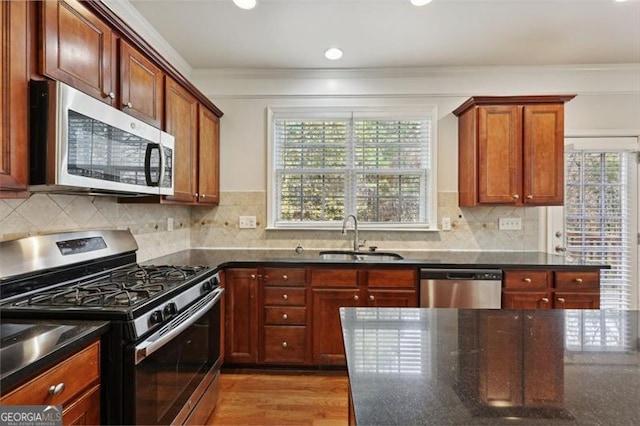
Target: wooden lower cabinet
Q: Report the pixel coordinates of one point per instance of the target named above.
(333, 289)
(546, 289)
(328, 345)
(512, 359)
(241, 315)
(78, 381)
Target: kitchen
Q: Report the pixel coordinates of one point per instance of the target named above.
(607, 105)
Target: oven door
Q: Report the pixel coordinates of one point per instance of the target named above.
(176, 367)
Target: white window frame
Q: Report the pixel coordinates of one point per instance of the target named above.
(386, 112)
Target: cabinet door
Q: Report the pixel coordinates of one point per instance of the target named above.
(141, 86)
(500, 358)
(563, 300)
(499, 154)
(14, 76)
(328, 345)
(208, 157)
(392, 298)
(241, 290)
(181, 119)
(543, 350)
(85, 410)
(78, 48)
(526, 300)
(543, 154)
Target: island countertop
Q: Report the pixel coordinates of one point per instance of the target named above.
(416, 366)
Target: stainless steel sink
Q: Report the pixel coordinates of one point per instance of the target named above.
(356, 256)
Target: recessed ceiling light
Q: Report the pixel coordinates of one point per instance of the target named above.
(333, 53)
(246, 4)
(420, 2)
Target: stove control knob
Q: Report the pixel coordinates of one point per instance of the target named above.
(207, 286)
(156, 317)
(170, 309)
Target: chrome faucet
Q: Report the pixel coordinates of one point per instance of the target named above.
(356, 242)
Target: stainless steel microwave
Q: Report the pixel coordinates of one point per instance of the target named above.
(80, 144)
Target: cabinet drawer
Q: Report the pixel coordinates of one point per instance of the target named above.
(334, 277)
(578, 281)
(284, 296)
(284, 277)
(405, 278)
(76, 373)
(526, 280)
(284, 344)
(283, 315)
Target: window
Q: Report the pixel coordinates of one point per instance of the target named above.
(327, 163)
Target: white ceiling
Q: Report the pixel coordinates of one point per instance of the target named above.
(293, 34)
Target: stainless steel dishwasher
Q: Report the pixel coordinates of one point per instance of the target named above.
(461, 288)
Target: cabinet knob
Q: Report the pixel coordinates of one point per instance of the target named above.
(578, 280)
(529, 197)
(285, 345)
(111, 95)
(204, 196)
(545, 299)
(356, 297)
(372, 297)
(527, 280)
(253, 276)
(285, 297)
(285, 316)
(55, 390)
(196, 195)
(561, 299)
(128, 105)
(285, 277)
(516, 197)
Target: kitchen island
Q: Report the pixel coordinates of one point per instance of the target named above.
(413, 366)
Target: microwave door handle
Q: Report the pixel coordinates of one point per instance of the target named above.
(147, 164)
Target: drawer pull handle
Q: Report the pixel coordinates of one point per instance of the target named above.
(545, 299)
(285, 297)
(285, 277)
(285, 316)
(372, 297)
(578, 280)
(561, 299)
(527, 280)
(56, 390)
(356, 297)
(285, 345)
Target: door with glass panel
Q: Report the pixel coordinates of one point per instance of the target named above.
(599, 223)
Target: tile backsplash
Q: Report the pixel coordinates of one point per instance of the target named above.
(217, 227)
(44, 213)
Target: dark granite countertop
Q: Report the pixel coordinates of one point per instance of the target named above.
(424, 259)
(29, 347)
(416, 366)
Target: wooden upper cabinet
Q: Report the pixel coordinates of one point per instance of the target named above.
(511, 150)
(208, 157)
(14, 76)
(141, 86)
(78, 48)
(181, 121)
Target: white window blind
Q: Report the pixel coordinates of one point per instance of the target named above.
(327, 166)
(598, 210)
(599, 207)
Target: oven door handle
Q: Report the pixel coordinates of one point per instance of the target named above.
(159, 339)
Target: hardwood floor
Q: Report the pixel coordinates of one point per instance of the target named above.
(281, 399)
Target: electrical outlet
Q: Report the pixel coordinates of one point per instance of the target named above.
(446, 224)
(247, 222)
(510, 224)
(169, 224)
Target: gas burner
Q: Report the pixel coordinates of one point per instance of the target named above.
(125, 298)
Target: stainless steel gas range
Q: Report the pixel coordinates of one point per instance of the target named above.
(161, 357)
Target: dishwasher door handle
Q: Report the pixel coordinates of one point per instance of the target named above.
(460, 276)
